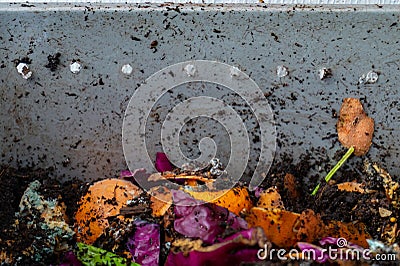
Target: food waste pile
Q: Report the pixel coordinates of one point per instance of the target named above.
(352, 213)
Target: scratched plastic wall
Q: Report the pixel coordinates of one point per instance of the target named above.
(73, 121)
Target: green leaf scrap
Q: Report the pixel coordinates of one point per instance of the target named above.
(91, 256)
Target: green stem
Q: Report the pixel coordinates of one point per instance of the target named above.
(335, 168)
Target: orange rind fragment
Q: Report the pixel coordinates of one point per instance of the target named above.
(285, 228)
(104, 199)
(311, 226)
(289, 183)
(270, 198)
(279, 225)
(351, 187)
(352, 232)
(160, 200)
(354, 127)
(236, 200)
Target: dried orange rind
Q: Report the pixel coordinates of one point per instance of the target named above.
(104, 199)
(351, 187)
(289, 183)
(354, 127)
(236, 199)
(352, 232)
(160, 200)
(285, 228)
(279, 225)
(270, 198)
(311, 226)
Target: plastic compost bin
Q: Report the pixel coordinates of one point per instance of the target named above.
(72, 122)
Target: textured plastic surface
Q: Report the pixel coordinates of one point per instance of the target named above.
(298, 2)
(73, 122)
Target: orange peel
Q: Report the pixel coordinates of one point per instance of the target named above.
(279, 225)
(354, 127)
(104, 199)
(236, 200)
(351, 187)
(352, 232)
(285, 228)
(160, 200)
(270, 198)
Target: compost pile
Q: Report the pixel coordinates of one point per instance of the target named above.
(115, 222)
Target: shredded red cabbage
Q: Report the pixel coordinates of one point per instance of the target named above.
(197, 219)
(144, 245)
(235, 250)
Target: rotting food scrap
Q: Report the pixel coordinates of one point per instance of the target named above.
(103, 200)
(285, 228)
(354, 127)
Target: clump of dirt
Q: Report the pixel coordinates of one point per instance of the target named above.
(53, 62)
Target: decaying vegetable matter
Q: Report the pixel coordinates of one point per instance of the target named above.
(118, 223)
(231, 225)
(355, 128)
(355, 131)
(104, 199)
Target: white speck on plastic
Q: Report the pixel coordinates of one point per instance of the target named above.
(127, 69)
(75, 67)
(190, 70)
(361, 80)
(324, 73)
(371, 77)
(23, 69)
(282, 71)
(235, 72)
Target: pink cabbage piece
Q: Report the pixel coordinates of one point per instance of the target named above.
(341, 241)
(314, 252)
(162, 163)
(339, 245)
(198, 219)
(137, 174)
(258, 191)
(237, 249)
(144, 244)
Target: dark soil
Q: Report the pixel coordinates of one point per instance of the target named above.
(329, 202)
(54, 61)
